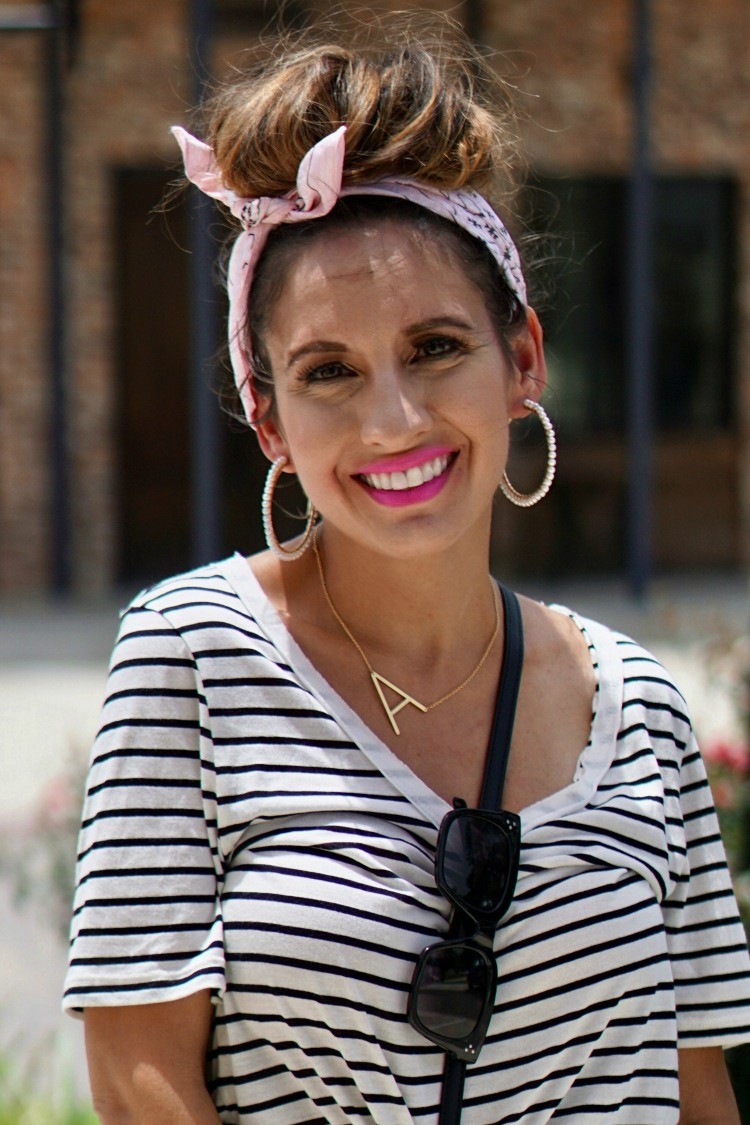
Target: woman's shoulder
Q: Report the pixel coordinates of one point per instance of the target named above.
(195, 602)
(629, 667)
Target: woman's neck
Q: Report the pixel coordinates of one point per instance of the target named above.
(427, 607)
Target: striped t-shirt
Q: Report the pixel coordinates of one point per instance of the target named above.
(245, 832)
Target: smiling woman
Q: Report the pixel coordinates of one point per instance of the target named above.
(296, 901)
(370, 385)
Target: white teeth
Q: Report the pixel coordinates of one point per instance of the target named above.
(412, 478)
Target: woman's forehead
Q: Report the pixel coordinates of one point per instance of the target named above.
(373, 249)
(383, 265)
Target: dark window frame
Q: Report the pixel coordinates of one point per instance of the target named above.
(585, 310)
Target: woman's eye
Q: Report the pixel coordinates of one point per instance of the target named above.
(325, 372)
(437, 347)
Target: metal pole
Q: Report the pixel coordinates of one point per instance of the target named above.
(56, 22)
(27, 17)
(205, 437)
(58, 414)
(474, 19)
(640, 315)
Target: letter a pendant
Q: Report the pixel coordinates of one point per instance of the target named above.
(391, 712)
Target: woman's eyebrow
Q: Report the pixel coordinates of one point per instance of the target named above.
(440, 322)
(412, 329)
(315, 346)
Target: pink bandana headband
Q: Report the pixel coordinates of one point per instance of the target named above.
(319, 187)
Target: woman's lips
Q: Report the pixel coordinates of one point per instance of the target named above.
(401, 493)
(403, 461)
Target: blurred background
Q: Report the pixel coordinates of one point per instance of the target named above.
(118, 468)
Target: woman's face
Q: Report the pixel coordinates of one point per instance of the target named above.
(393, 394)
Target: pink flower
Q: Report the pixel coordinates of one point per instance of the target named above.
(723, 752)
(724, 793)
(56, 801)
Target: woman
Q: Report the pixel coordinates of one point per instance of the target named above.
(284, 735)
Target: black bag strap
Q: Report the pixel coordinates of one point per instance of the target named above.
(496, 766)
(498, 750)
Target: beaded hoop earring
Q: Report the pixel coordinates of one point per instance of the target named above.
(528, 499)
(267, 512)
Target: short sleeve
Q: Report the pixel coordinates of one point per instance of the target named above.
(147, 923)
(705, 935)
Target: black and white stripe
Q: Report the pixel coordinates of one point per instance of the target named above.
(246, 833)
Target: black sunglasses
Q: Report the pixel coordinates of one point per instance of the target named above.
(454, 984)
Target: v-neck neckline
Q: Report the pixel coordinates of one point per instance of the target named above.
(594, 760)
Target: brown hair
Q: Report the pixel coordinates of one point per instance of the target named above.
(432, 110)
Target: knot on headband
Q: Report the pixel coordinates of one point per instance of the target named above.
(318, 182)
(318, 189)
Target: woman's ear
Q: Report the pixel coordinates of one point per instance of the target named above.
(531, 367)
(271, 438)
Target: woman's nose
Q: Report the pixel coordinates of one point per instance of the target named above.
(394, 411)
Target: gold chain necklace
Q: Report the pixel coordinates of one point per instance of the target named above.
(379, 681)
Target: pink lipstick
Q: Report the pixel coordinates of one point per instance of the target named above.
(401, 497)
(403, 461)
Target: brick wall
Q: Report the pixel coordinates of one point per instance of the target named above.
(571, 62)
(129, 83)
(23, 423)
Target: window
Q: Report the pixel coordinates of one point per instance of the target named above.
(586, 323)
(580, 527)
(153, 408)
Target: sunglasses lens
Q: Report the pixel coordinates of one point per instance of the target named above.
(476, 863)
(452, 990)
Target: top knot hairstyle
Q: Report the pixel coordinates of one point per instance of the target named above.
(431, 112)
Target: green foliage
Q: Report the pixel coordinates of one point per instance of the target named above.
(27, 1097)
(37, 857)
